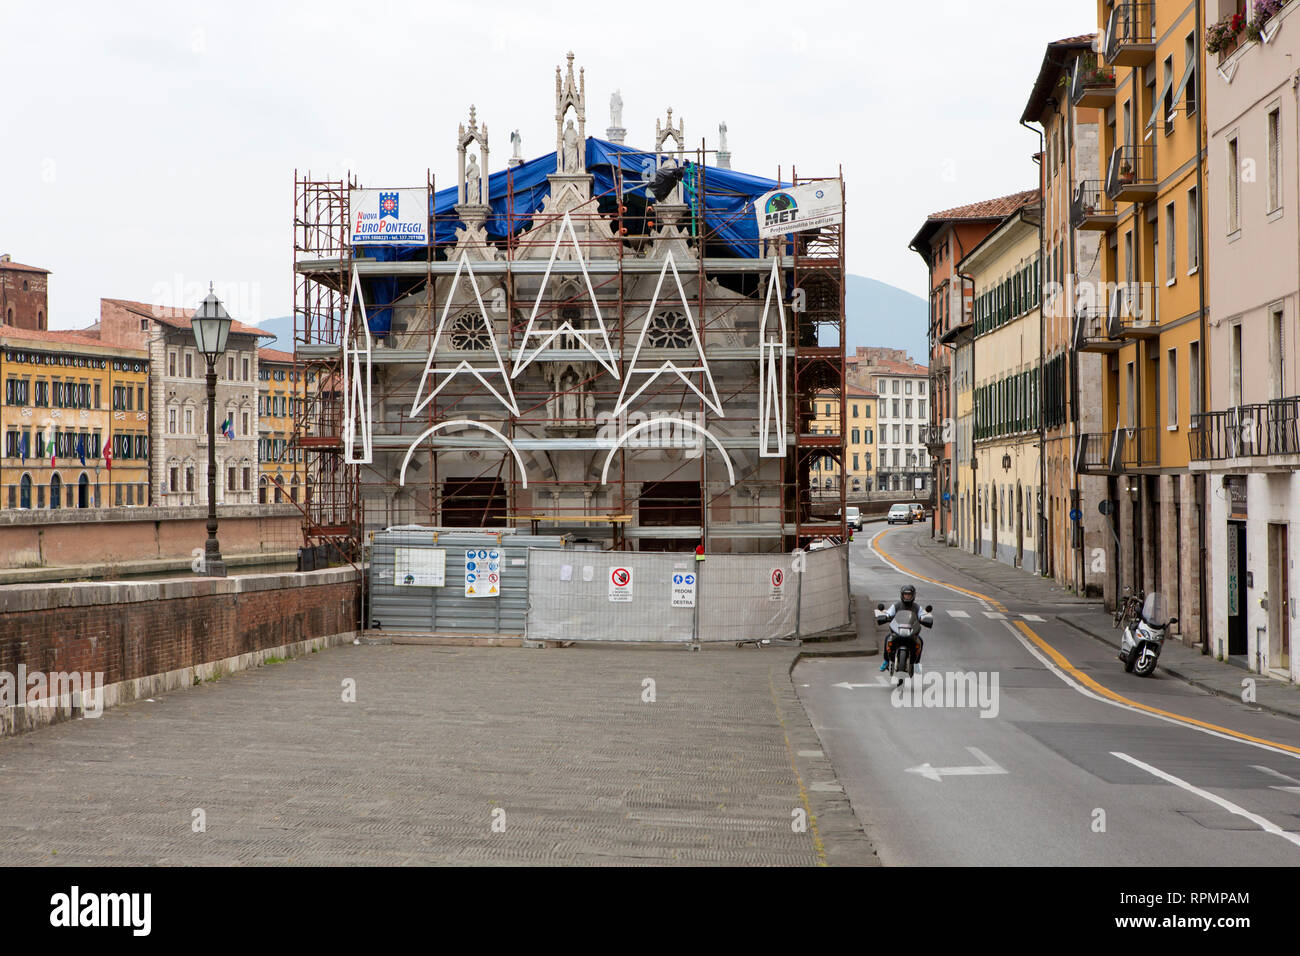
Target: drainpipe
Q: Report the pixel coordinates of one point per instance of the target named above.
(1042, 474)
(1202, 399)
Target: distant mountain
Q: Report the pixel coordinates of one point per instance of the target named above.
(876, 313)
(282, 329)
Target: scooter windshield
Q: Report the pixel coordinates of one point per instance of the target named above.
(1155, 610)
(906, 621)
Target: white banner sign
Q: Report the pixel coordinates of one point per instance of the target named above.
(620, 585)
(483, 573)
(683, 589)
(419, 567)
(389, 217)
(798, 208)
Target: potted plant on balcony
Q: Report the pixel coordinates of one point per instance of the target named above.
(1125, 172)
(1222, 37)
(1265, 10)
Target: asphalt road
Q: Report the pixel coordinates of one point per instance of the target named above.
(1056, 773)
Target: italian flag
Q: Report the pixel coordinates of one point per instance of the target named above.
(49, 446)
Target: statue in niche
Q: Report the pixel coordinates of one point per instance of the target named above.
(616, 110)
(569, 395)
(473, 193)
(570, 155)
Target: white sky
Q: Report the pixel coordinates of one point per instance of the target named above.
(148, 148)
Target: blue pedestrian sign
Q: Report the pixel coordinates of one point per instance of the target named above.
(1076, 514)
(947, 496)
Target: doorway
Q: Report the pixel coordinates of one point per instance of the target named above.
(1279, 599)
(1236, 580)
(1020, 526)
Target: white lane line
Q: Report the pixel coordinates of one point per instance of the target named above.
(1032, 617)
(1267, 826)
(1051, 666)
(995, 615)
(1279, 776)
(956, 613)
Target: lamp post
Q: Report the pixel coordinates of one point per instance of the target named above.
(211, 325)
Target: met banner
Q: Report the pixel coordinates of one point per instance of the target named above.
(799, 207)
(389, 217)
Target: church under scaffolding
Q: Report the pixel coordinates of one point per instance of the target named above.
(596, 342)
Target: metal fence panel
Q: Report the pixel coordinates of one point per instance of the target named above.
(569, 597)
(448, 609)
(740, 597)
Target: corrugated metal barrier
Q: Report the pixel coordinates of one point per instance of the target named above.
(452, 582)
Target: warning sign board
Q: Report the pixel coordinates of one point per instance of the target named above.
(483, 573)
(683, 589)
(778, 585)
(620, 584)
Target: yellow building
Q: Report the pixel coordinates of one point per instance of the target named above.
(280, 389)
(1147, 314)
(859, 441)
(90, 400)
(1006, 475)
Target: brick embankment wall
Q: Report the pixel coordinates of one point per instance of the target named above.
(154, 636)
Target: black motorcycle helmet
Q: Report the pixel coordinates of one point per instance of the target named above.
(908, 594)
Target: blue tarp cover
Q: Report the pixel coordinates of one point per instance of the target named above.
(728, 209)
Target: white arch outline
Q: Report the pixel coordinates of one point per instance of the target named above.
(357, 381)
(772, 395)
(658, 422)
(462, 421)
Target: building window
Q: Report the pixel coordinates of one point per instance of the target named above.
(1189, 54)
(1171, 403)
(1274, 159)
(230, 368)
(1194, 378)
(1234, 367)
(1277, 352)
(1193, 231)
(246, 485)
(189, 480)
(243, 420)
(171, 480)
(230, 479)
(189, 420)
(1234, 187)
(171, 421)
(1171, 247)
(244, 360)
(171, 364)
(189, 365)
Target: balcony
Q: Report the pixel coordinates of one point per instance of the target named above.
(1091, 208)
(1130, 35)
(1128, 317)
(932, 438)
(1247, 431)
(1097, 454)
(1092, 334)
(1131, 174)
(1092, 86)
(1137, 448)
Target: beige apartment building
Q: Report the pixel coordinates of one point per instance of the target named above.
(1247, 442)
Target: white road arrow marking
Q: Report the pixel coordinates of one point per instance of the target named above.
(1280, 776)
(959, 613)
(879, 682)
(986, 766)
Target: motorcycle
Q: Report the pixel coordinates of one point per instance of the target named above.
(1145, 619)
(905, 628)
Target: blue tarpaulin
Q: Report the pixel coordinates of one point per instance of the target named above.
(728, 209)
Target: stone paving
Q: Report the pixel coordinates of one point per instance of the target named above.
(555, 747)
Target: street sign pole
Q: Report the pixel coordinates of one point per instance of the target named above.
(695, 612)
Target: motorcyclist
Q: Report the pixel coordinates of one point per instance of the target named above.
(906, 602)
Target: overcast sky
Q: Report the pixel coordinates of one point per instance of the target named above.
(148, 148)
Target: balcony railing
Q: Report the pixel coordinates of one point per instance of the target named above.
(1092, 333)
(932, 436)
(1091, 207)
(1097, 454)
(1131, 174)
(1092, 86)
(1130, 34)
(1138, 447)
(1247, 431)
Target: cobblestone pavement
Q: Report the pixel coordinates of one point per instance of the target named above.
(556, 745)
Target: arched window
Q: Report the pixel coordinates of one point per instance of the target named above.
(293, 489)
(469, 332)
(279, 489)
(83, 491)
(25, 491)
(261, 490)
(56, 491)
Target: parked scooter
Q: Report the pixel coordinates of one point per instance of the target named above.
(1145, 619)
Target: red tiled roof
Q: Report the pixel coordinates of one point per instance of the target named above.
(274, 355)
(896, 368)
(19, 267)
(1056, 59)
(55, 337)
(998, 208)
(857, 391)
(180, 318)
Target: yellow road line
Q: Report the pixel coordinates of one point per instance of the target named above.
(1064, 663)
(818, 846)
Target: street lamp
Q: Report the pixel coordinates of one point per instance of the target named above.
(211, 325)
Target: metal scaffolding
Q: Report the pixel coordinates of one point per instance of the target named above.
(619, 265)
